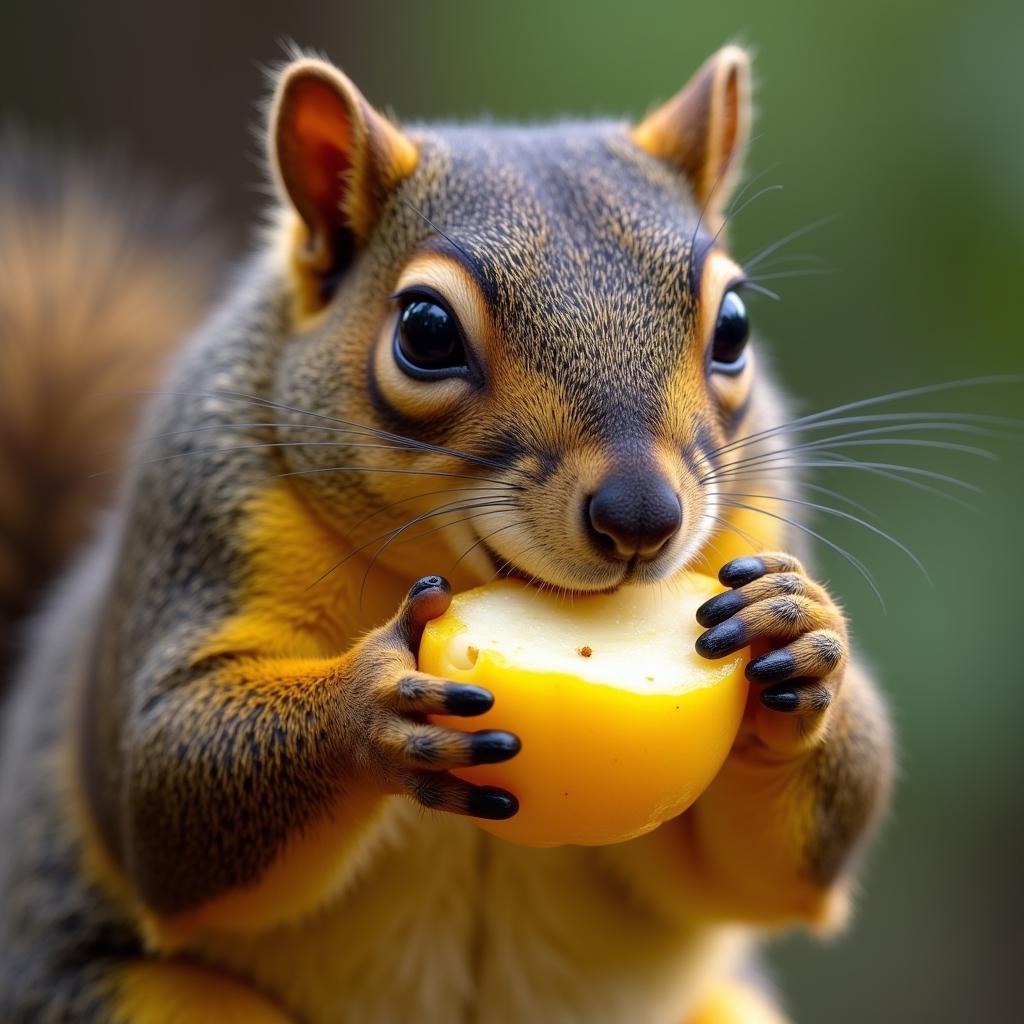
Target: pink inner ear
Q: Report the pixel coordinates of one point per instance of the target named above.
(322, 147)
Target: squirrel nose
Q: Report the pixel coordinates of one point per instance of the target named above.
(634, 514)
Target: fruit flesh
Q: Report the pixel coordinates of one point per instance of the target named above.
(623, 724)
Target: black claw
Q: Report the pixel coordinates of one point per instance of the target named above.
(741, 571)
(772, 667)
(461, 699)
(429, 583)
(719, 608)
(780, 700)
(488, 802)
(492, 746)
(725, 638)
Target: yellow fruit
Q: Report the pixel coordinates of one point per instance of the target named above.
(623, 725)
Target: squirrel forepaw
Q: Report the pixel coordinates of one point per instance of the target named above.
(410, 754)
(797, 634)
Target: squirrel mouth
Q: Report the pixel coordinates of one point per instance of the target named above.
(504, 569)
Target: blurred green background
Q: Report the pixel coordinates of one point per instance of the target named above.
(903, 120)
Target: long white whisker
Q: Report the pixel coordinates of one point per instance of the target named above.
(753, 261)
(742, 534)
(961, 422)
(856, 439)
(853, 560)
(829, 510)
(846, 462)
(838, 495)
(892, 396)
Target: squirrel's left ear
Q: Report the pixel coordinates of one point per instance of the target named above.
(335, 158)
(703, 129)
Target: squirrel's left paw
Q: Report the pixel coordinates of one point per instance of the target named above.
(774, 604)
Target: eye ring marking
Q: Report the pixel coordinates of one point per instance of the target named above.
(731, 334)
(428, 342)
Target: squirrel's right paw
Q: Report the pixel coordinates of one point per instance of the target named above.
(403, 748)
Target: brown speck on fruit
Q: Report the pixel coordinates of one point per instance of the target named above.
(584, 652)
(649, 679)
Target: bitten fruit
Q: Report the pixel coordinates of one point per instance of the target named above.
(623, 725)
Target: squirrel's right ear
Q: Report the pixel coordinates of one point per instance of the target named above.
(335, 158)
(703, 129)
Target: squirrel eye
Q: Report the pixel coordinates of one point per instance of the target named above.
(731, 333)
(428, 343)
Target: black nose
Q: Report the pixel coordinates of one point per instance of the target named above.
(634, 514)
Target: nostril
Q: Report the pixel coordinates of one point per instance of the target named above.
(631, 515)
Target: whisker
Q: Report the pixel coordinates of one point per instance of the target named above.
(887, 472)
(742, 534)
(783, 258)
(502, 506)
(731, 210)
(397, 472)
(735, 211)
(483, 491)
(481, 540)
(451, 507)
(276, 425)
(419, 213)
(838, 495)
(389, 436)
(892, 396)
(829, 510)
(753, 261)
(856, 439)
(885, 469)
(755, 287)
(852, 559)
(192, 452)
(779, 275)
(894, 442)
(950, 420)
(748, 185)
(701, 558)
(259, 401)
(455, 522)
(241, 425)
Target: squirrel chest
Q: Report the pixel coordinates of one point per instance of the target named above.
(442, 922)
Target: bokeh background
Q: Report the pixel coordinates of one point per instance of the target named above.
(905, 122)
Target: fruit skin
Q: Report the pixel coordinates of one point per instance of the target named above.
(599, 764)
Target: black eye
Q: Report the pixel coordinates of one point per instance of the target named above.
(731, 333)
(428, 342)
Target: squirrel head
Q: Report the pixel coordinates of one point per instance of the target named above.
(530, 332)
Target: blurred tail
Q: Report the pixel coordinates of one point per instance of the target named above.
(100, 276)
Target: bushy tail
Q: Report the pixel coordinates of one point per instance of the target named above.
(100, 277)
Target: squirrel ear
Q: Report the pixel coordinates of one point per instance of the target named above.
(334, 157)
(703, 128)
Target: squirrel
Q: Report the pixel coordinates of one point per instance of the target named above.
(476, 350)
